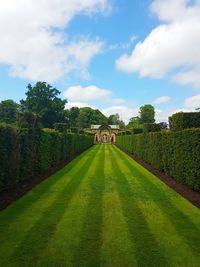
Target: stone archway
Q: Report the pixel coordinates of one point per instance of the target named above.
(113, 138)
(105, 138)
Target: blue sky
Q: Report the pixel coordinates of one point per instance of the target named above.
(115, 55)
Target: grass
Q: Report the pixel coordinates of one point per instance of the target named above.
(102, 209)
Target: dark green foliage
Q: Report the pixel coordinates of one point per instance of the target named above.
(9, 155)
(42, 99)
(74, 130)
(89, 116)
(8, 111)
(128, 132)
(163, 125)
(181, 120)
(72, 116)
(26, 152)
(137, 130)
(61, 127)
(86, 116)
(134, 123)
(176, 153)
(114, 119)
(147, 114)
(152, 127)
(28, 119)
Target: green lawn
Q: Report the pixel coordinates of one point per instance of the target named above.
(102, 209)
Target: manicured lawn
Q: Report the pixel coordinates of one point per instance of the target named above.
(103, 209)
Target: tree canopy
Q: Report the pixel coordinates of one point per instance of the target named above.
(88, 116)
(8, 111)
(114, 119)
(147, 114)
(42, 99)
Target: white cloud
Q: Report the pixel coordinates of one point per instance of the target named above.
(116, 101)
(172, 47)
(191, 103)
(33, 41)
(124, 45)
(162, 99)
(78, 105)
(124, 112)
(80, 93)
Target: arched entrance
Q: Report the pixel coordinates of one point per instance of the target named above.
(105, 138)
(113, 138)
(104, 134)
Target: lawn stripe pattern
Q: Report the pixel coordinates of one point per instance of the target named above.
(102, 209)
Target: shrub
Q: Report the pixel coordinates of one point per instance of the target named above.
(61, 127)
(152, 127)
(137, 130)
(9, 155)
(26, 152)
(176, 153)
(181, 121)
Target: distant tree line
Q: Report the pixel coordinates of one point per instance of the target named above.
(146, 116)
(43, 106)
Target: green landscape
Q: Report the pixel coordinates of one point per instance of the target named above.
(102, 209)
(100, 133)
(70, 195)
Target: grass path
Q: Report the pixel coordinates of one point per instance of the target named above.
(102, 209)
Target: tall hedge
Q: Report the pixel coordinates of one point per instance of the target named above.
(28, 152)
(184, 120)
(176, 153)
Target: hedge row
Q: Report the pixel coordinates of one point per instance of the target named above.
(174, 153)
(27, 152)
(184, 120)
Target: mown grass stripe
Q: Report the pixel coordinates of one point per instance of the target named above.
(106, 211)
(25, 220)
(88, 251)
(37, 238)
(189, 233)
(68, 234)
(42, 190)
(116, 249)
(147, 250)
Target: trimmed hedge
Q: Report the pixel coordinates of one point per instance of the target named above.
(61, 127)
(182, 120)
(152, 127)
(137, 130)
(176, 153)
(28, 152)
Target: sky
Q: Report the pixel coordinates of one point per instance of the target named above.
(114, 55)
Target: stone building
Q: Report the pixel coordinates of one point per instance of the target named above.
(104, 134)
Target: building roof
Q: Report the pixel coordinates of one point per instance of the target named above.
(99, 126)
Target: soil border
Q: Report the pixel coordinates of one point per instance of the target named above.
(183, 190)
(12, 194)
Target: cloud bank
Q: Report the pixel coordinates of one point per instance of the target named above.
(172, 48)
(34, 43)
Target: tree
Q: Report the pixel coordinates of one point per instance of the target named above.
(89, 116)
(8, 111)
(134, 123)
(42, 99)
(163, 125)
(147, 114)
(72, 116)
(114, 119)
